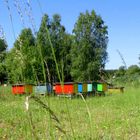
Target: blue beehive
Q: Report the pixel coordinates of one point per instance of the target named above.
(43, 89)
(49, 88)
(80, 88)
(40, 89)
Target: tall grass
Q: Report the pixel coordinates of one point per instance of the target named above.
(113, 117)
(30, 116)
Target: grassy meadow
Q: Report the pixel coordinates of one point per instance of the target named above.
(114, 116)
(50, 54)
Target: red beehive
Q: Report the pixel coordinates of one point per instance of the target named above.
(66, 88)
(22, 88)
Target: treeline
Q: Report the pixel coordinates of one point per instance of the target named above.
(123, 76)
(52, 54)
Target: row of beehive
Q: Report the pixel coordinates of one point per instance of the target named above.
(74, 88)
(58, 88)
(28, 88)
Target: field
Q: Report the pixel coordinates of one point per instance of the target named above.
(114, 116)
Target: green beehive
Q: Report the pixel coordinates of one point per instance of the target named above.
(84, 87)
(94, 86)
(75, 88)
(100, 87)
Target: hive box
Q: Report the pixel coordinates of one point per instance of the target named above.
(80, 88)
(85, 87)
(66, 88)
(115, 90)
(22, 88)
(43, 89)
(101, 87)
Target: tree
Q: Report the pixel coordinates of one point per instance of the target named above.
(133, 69)
(21, 58)
(14, 66)
(88, 53)
(3, 47)
(44, 49)
(121, 71)
(61, 42)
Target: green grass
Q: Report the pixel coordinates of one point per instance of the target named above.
(114, 116)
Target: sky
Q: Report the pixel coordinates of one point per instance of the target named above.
(121, 16)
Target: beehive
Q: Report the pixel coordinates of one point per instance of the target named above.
(75, 88)
(66, 88)
(89, 87)
(80, 88)
(101, 87)
(22, 88)
(115, 90)
(40, 89)
(84, 85)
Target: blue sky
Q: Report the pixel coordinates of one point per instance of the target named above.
(121, 16)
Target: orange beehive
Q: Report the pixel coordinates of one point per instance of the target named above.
(22, 88)
(66, 88)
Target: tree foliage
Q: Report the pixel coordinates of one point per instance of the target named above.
(133, 69)
(3, 47)
(88, 53)
(61, 44)
(79, 56)
(21, 58)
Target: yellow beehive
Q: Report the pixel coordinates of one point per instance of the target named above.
(115, 90)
